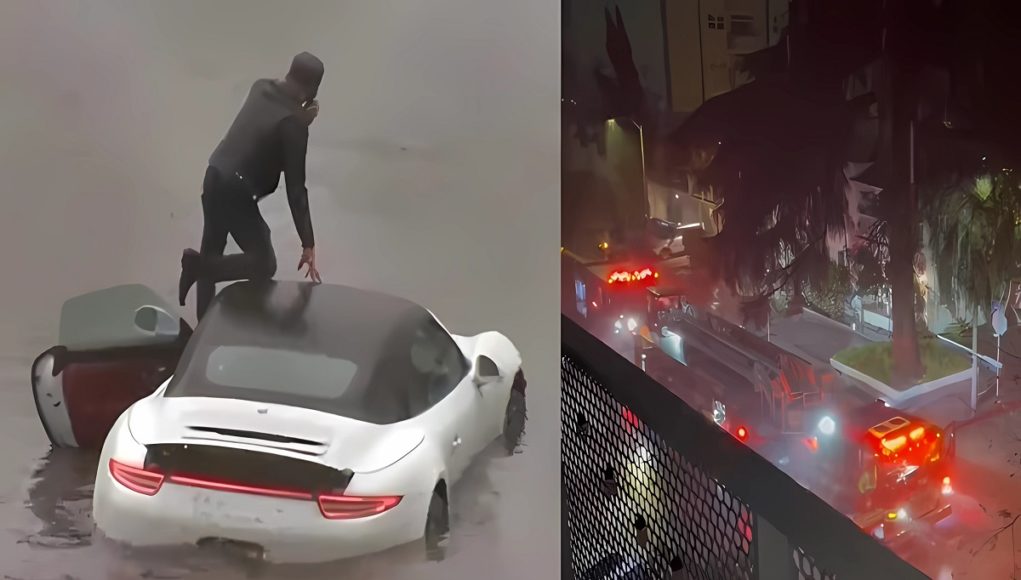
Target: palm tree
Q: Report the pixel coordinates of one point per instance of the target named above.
(924, 40)
(975, 234)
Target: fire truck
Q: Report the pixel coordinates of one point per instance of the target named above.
(609, 294)
(886, 469)
(783, 385)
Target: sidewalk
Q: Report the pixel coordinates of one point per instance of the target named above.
(813, 336)
(1010, 349)
(818, 339)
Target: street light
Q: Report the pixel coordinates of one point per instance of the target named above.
(641, 148)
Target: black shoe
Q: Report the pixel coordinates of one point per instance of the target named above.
(189, 273)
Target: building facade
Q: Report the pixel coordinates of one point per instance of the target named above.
(706, 39)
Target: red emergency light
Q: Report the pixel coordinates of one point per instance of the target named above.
(625, 276)
(894, 444)
(907, 438)
(742, 433)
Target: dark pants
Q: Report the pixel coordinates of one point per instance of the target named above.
(228, 207)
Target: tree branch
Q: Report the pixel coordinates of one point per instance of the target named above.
(792, 268)
(1000, 530)
(872, 241)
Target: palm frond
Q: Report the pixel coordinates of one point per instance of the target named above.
(973, 226)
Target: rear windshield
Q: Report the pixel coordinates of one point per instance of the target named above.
(263, 369)
(316, 381)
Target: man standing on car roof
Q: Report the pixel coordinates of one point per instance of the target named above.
(269, 137)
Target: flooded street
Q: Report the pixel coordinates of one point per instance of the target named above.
(433, 174)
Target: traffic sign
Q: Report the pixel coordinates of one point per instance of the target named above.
(999, 319)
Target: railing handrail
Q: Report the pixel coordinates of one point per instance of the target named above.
(833, 540)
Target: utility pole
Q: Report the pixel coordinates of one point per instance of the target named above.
(641, 147)
(974, 360)
(999, 324)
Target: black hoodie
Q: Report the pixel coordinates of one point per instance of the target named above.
(269, 136)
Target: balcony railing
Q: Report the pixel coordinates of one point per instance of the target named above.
(653, 490)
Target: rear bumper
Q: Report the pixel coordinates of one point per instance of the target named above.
(290, 531)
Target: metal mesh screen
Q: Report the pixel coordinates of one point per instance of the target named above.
(636, 508)
(808, 569)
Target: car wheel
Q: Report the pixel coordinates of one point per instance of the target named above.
(437, 526)
(515, 416)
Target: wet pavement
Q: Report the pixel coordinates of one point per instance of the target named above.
(437, 140)
(978, 540)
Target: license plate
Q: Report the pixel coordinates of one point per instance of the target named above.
(227, 509)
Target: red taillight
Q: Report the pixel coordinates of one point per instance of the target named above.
(135, 478)
(346, 507)
(334, 507)
(742, 433)
(239, 488)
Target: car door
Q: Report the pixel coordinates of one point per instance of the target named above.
(115, 347)
(493, 384)
(453, 401)
(455, 427)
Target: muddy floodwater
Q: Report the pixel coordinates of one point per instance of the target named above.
(433, 174)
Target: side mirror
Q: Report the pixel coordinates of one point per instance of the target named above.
(158, 322)
(485, 372)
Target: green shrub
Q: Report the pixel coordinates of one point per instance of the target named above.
(829, 292)
(876, 360)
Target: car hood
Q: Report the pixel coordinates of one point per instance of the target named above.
(336, 441)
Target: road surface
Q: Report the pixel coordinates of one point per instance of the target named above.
(433, 173)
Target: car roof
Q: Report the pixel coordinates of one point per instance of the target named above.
(325, 299)
(373, 330)
(311, 316)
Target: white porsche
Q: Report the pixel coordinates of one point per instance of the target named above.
(305, 422)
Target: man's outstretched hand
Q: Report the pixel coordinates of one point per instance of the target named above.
(308, 258)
